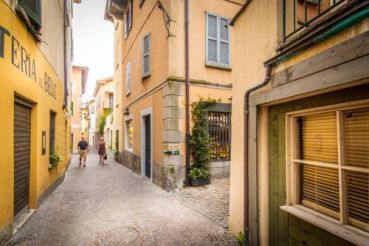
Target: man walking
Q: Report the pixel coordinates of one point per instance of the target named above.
(83, 149)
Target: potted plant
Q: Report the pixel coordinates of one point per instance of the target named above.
(199, 176)
(200, 143)
(54, 160)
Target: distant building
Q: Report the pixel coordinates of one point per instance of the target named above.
(79, 80)
(103, 97)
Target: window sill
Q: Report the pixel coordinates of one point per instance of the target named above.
(128, 94)
(329, 224)
(145, 77)
(218, 67)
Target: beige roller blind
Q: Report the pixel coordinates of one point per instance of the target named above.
(318, 142)
(319, 137)
(356, 144)
(357, 138)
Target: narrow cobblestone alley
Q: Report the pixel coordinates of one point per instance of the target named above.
(109, 205)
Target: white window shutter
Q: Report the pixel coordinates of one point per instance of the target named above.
(224, 42)
(146, 50)
(125, 25)
(212, 39)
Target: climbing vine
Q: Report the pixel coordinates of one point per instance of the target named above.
(200, 138)
(102, 120)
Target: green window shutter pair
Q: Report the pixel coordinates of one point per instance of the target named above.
(33, 10)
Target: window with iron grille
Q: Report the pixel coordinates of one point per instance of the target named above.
(52, 133)
(33, 10)
(298, 14)
(219, 124)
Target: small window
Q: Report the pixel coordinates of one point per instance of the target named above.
(129, 135)
(128, 19)
(217, 41)
(92, 110)
(330, 164)
(52, 133)
(71, 108)
(128, 79)
(146, 48)
(33, 10)
(111, 101)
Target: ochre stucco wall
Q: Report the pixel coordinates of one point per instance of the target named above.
(255, 40)
(33, 88)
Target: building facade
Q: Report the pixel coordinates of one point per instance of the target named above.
(300, 120)
(79, 80)
(103, 96)
(91, 122)
(150, 79)
(34, 104)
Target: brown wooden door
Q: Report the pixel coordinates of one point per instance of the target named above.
(22, 142)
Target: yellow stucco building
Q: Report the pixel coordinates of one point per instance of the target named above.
(35, 122)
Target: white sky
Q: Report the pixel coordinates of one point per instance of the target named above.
(93, 41)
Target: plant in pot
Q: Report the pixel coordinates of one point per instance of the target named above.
(54, 160)
(200, 143)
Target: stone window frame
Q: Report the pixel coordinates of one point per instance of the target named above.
(336, 226)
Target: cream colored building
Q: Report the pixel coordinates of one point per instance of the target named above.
(79, 80)
(103, 96)
(303, 177)
(150, 77)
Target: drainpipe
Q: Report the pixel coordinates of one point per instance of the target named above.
(246, 193)
(187, 77)
(65, 55)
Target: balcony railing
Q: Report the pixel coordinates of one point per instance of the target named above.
(298, 14)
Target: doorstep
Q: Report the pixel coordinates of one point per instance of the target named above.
(22, 219)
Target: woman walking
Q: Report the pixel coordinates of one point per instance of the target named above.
(102, 150)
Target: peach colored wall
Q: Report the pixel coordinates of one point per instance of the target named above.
(255, 39)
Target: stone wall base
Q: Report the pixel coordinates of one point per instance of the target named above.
(131, 161)
(169, 177)
(220, 169)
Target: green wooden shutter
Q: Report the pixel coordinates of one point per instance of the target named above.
(33, 10)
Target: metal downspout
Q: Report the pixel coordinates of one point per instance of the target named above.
(65, 56)
(246, 193)
(187, 77)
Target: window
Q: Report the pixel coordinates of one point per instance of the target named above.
(128, 19)
(71, 108)
(129, 134)
(219, 124)
(298, 14)
(117, 140)
(110, 101)
(146, 66)
(329, 158)
(52, 133)
(33, 11)
(92, 110)
(217, 41)
(128, 79)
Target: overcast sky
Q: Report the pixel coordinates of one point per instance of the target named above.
(93, 41)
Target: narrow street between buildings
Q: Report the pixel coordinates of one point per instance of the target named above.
(110, 205)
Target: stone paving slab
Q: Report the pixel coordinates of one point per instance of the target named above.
(110, 205)
(211, 200)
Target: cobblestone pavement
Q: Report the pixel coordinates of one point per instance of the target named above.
(110, 205)
(212, 200)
